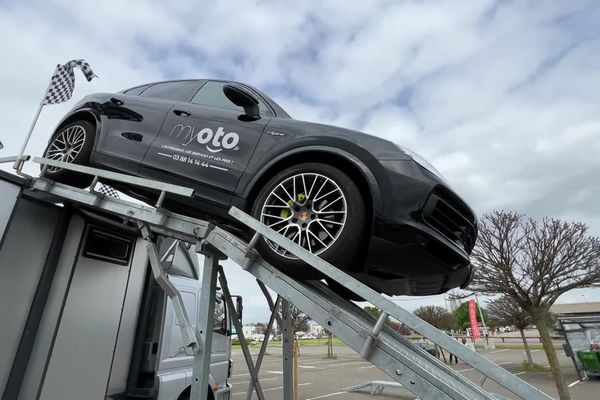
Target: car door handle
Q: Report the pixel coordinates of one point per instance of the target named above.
(116, 101)
(181, 113)
(136, 137)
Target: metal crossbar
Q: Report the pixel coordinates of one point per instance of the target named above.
(163, 187)
(115, 176)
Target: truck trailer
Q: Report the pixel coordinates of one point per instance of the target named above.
(82, 315)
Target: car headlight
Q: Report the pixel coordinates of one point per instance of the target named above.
(422, 162)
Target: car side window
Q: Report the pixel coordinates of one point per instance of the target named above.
(178, 91)
(211, 94)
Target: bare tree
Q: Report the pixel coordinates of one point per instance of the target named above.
(506, 312)
(533, 263)
(395, 325)
(260, 328)
(436, 316)
(299, 320)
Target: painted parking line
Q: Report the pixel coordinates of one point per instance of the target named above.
(260, 379)
(327, 395)
(275, 388)
(281, 387)
(349, 363)
(471, 369)
(275, 372)
(367, 366)
(334, 360)
(500, 351)
(520, 373)
(574, 383)
(309, 367)
(334, 363)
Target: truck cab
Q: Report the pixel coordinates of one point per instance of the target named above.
(161, 366)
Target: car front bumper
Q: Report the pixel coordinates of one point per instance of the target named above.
(421, 246)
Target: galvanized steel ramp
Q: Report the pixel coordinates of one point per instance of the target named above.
(418, 371)
(422, 374)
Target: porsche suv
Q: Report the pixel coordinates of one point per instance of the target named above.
(370, 207)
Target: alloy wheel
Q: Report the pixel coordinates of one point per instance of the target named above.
(310, 209)
(66, 145)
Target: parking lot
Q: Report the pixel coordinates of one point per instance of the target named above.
(323, 378)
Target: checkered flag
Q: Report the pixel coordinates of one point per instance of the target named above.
(107, 190)
(63, 81)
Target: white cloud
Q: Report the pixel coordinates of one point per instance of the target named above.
(393, 123)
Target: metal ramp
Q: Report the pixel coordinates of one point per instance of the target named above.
(419, 372)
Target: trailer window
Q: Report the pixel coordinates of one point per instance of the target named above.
(103, 245)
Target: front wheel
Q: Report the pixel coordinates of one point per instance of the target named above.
(71, 144)
(318, 207)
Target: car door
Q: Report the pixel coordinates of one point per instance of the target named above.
(132, 120)
(205, 142)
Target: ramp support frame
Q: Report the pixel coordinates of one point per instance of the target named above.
(405, 363)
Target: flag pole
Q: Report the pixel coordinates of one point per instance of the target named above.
(19, 161)
(18, 165)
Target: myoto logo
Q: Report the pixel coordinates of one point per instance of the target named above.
(214, 141)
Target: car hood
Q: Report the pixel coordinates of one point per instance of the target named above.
(380, 149)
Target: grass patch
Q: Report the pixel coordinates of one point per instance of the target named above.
(301, 342)
(526, 366)
(320, 342)
(338, 342)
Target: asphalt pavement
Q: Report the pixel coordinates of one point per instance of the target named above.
(324, 378)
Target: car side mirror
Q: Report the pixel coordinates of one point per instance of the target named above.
(243, 98)
(239, 307)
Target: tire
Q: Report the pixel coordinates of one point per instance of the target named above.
(316, 218)
(72, 143)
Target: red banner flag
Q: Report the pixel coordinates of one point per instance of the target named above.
(472, 306)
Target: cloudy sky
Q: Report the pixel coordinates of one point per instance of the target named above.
(502, 96)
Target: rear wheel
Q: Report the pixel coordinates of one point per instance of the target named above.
(71, 144)
(318, 207)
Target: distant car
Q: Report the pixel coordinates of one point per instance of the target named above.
(428, 347)
(305, 336)
(365, 204)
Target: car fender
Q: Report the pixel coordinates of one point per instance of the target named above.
(368, 175)
(75, 115)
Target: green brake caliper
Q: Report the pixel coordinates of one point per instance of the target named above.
(299, 200)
